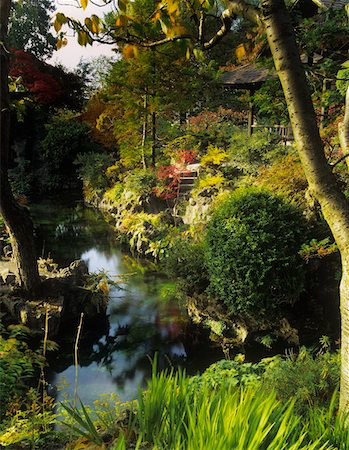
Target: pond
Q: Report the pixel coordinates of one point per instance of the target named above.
(145, 317)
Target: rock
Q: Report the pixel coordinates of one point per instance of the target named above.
(79, 267)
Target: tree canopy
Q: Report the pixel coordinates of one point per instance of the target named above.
(29, 27)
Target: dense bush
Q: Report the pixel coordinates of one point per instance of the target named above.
(248, 153)
(309, 378)
(65, 138)
(141, 182)
(185, 261)
(91, 169)
(252, 246)
(17, 367)
(286, 178)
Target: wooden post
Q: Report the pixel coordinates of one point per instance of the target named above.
(250, 113)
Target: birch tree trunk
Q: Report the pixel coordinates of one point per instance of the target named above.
(322, 183)
(16, 218)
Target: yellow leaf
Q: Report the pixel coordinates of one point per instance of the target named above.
(57, 26)
(121, 21)
(84, 3)
(129, 51)
(95, 24)
(240, 52)
(59, 44)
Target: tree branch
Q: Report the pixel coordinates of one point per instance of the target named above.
(235, 8)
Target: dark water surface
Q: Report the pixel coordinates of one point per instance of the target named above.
(144, 315)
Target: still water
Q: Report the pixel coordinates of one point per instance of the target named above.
(145, 317)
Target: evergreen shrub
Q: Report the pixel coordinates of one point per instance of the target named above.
(186, 261)
(252, 245)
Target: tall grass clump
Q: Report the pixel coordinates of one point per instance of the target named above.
(175, 414)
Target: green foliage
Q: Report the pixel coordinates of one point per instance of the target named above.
(91, 170)
(210, 181)
(253, 240)
(173, 413)
(30, 27)
(186, 261)
(64, 139)
(342, 82)
(148, 234)
(141, 181)
(21, 176)
(285, 177)
(17, 366)
(30, 423)
(26, 414)
(318, 249)
(270, 103)
(308, 377)
(230, 373)
(185, 142)
(248, 153)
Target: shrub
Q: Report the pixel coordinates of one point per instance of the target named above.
(188, 142)
(214, 156)
(286, 178)
(252, 245)
(185, 260)
(141, 182)
(308, 377)
(230, 373)
(63, 141)
(92, 167)
(248, 153)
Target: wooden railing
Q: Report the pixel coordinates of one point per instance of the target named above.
(285, 131)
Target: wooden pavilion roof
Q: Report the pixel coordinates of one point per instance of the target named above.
(249, 76)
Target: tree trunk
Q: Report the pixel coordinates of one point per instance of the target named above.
(322, 183)
(16, 218)
(343, 130)
(153, 138)
(145, 129)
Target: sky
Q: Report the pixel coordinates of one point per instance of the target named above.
(70, 55)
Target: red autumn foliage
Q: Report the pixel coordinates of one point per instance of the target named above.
(185, 157)
(168, 177)
(35, 77)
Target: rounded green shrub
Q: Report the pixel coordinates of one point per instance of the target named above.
(252, 245)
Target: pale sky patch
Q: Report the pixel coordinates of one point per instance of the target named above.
(70, 55)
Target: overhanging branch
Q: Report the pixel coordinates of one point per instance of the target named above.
(236, 8)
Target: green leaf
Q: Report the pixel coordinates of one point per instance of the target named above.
(82, 38)
(122, 5)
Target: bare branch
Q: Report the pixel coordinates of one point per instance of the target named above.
(235, 8)
(165, 41)
(201, 28)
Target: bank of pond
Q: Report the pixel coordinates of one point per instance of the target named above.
(129, 379)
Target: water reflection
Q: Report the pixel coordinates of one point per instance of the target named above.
(142, 320)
